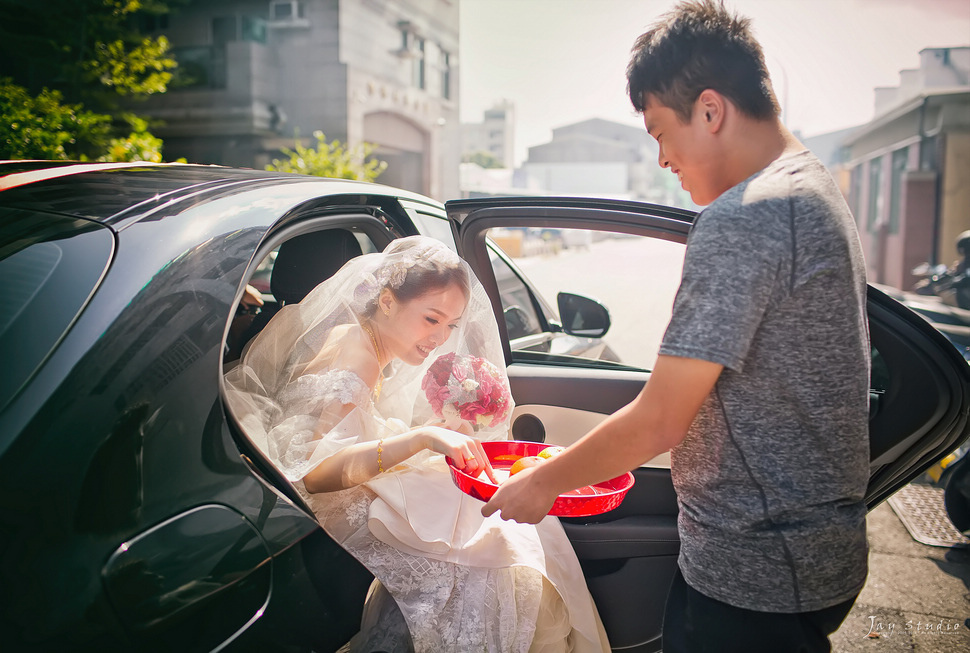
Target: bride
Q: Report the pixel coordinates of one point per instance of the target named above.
(331, 391)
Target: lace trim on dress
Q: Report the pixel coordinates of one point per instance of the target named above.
(448, 607)
(311, 393)
(307, 404)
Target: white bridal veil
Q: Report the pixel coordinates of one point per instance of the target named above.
(456, 576)
(281, 407)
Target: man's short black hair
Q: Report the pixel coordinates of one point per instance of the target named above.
(697, 46)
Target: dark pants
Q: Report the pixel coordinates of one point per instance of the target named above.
(694, 623)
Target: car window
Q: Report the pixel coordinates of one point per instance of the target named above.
(301, 268)
(434, 226)
(51, 266)
(521, 314)
(264, 271)
(524, 316)
(633, 277)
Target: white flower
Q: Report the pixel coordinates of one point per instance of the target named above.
(449, 411)
(393, 274)
(469, 385)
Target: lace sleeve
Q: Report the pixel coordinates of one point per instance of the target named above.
(316, 394)
(320, 414)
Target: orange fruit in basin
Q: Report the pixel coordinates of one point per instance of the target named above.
(550, 452)
(522, 463)
(507, 456)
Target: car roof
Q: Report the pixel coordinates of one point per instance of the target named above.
(118, 194)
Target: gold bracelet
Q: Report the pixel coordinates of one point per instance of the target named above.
(380, 450)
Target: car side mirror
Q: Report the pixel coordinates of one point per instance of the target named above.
(518, 323)
(582, 316)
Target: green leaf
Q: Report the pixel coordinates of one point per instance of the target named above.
(334, 159)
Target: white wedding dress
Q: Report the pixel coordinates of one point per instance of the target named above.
(462, 582)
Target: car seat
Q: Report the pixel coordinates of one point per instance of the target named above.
(307, 260)
(302, 263)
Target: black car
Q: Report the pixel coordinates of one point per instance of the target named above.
(950, 320)
(136, 515)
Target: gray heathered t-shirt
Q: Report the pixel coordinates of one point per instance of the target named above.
(771, 476)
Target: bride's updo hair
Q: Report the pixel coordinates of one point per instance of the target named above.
(418, 265)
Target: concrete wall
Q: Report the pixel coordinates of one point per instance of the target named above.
(313, 79)
(955, 193)
(607, 179)
(915, 238)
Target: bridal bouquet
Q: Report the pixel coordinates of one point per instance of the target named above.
(468, 388)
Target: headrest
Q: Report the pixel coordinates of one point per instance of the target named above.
(306, 260)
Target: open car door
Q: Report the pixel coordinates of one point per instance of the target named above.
(622, 260)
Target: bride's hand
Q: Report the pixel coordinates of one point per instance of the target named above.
(463, 426)
(466, 452)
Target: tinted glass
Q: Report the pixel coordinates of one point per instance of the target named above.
(434, 226)
(634, 277)
(521, 317)
(49, 267)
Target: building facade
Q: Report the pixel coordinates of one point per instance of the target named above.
(495, 135)
(906, 174)
(256, 74)
(601, 158)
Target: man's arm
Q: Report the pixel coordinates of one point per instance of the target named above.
(656, 421)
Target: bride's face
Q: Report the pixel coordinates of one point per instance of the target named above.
(414, 328)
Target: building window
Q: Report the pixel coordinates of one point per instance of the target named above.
(855, 194)
(286, 10)
(899, 163)
(418, 70)
(928, 153)
(253, 29)
(226, 29)
(413, 48)
(199, 67)
(446, 75)
(875, 193)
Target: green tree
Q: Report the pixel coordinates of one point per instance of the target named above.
(139, 145)
(484, 159)
(333, 159)
(91, 55)
(42, 127)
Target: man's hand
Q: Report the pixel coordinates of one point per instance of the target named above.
(656, 421)
(251, 297)
(521, 499)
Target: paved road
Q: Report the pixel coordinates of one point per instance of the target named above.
(916, 598)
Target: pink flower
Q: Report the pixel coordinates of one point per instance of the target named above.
(469, 386)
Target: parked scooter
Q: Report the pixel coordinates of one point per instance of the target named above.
(955, 481)
(952, 473)
(951, 284)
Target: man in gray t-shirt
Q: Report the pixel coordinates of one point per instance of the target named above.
(772, 474)
(760, 391)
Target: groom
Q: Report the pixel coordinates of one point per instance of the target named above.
(760, 391)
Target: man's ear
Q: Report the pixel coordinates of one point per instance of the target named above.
(710, 109)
